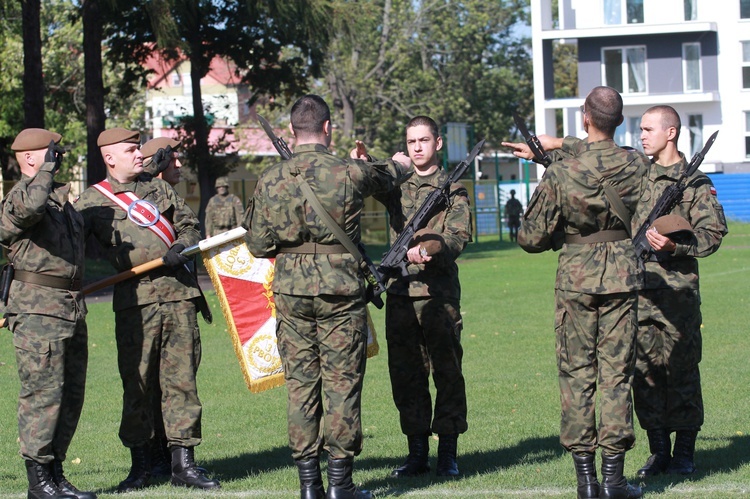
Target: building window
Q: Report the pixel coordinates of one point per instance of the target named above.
(176, 82)
(634, 133)
(624, 69)
(744, 9)
(691, 67)
(746, 65)
(691, 10)
(695, 127)
(187, 88)
(617, 10)
(747, 134)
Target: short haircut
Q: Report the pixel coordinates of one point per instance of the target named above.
(309, 114)
(669, 118)
(424, 121)
(604, 109)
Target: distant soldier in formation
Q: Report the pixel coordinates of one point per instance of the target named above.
(224, 211)
(165, 166)
(319, 293)
(596, 290)
(138, 220)
(45, 311)
(513, 210)
(667, 384)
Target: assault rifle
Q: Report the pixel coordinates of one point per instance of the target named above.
(540, 155)
(668, 200)
(395, 258)
(375, 285)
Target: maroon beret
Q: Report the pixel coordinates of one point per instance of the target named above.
(34, 139)
(117, 135)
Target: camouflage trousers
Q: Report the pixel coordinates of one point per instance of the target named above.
(52, 357)
(595, 343)
(159, 343)
(423, 336)
(323, 347)
(667, 381)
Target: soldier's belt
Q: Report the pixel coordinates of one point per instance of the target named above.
(49, 281)
(314, 249)
(603, 236)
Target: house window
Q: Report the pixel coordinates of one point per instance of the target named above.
(746, 65)
(176, 82)
(747, 134)
(744, 9)
(617, 10)
(624, 69)
(634, 133)
(691, 10)
(695, 127)
(187, 88)
(691, 67)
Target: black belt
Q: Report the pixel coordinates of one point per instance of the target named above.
(314, 249)
(69, 283)
(603, 236)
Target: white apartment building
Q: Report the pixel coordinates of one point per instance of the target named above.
(691, 54)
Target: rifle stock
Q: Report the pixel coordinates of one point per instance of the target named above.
(395, 258)
(668, 200)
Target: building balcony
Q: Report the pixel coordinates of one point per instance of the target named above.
(629, 30)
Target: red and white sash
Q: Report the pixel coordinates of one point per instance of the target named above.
(142, 213)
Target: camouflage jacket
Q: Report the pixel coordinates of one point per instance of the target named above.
(438, 277)
(128, 244)
(223, 213)
(281, 217)
(700, 207)
(44, 235)
(570, 195)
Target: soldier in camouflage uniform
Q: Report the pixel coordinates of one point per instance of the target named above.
(513, 210)
(595, 292)
(666, 385)
(319, 293)
(45, 311)
(156, 327)
(224, 211)
(423, 315)
(167, 168)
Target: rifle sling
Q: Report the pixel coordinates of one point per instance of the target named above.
(614, 199)
(344, 239)
(603, 236)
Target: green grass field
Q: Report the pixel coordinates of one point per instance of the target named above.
(511, 448)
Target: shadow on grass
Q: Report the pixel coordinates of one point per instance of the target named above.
(708, 462)
(526, 452)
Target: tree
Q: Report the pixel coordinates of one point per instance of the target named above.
(33, 81)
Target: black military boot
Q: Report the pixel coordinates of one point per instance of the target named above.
(417, 461)
(41, 485)
(588, 483)
(447, 448)
(310, 480)
(186, 474)
(614, 485)
(161, 459)
(684, 453)
(65, 486)
(340, 485)
(661, 453)
(140, 469)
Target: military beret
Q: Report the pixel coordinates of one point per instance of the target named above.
(149, 148)
(431, 241)
(117, 135)
(34, 139)
(672, 224)
(222, 182)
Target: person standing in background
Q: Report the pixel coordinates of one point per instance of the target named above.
(224, 211)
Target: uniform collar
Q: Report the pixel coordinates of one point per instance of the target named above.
(310, 148)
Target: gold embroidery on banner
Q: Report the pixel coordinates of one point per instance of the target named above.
(233, 259)
(262, 354)
(268, 293)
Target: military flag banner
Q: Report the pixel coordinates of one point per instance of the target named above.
(243, 287)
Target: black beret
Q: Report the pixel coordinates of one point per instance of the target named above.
(117, 135)
(34, 139)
